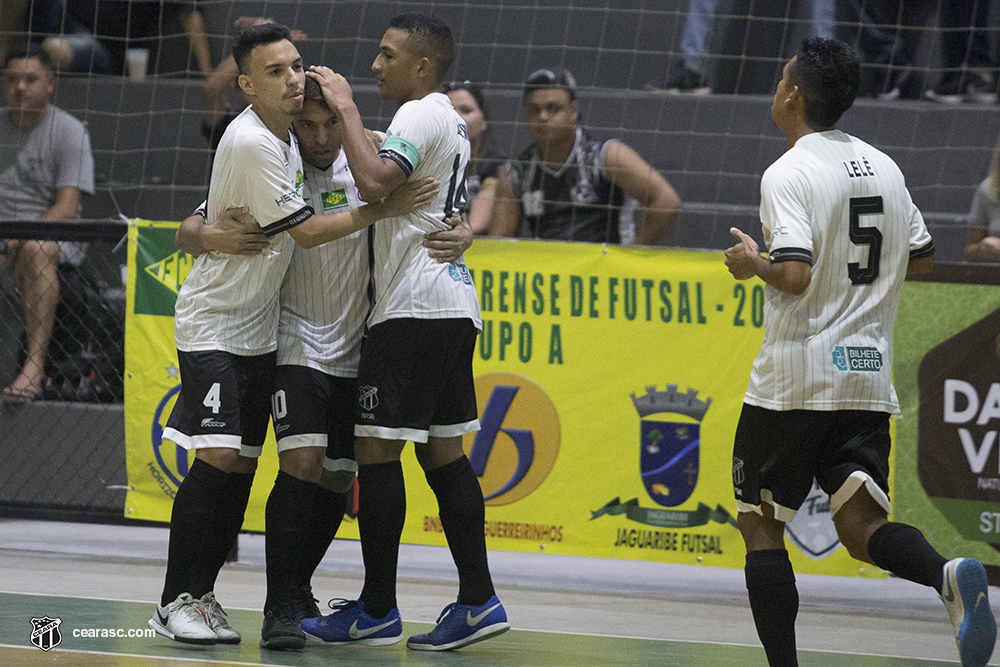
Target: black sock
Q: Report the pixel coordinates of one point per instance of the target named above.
(463, 513)
(226, 523)
(381, 514)
(774, 602)
(904, 551)
(284, 519)
(324, 522)
(197, 501)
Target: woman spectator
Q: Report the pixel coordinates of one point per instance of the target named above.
(467, 98)
(984, 218)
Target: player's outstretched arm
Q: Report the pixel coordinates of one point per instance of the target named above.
(227, 235)
(745, 261)
(637, 179)
(319, 229)
(448, 246)
(375, 176)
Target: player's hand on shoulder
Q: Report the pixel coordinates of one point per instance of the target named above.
(235, 232)
(410, 196)
(740, 257)
(336, 90)
(448, 246)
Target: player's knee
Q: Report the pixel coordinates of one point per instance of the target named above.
(305, 463)
(337, 481)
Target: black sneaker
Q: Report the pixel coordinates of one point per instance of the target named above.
(682, 80)
(280, 630)
(304, 605)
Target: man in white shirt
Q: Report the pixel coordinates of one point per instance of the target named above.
(415, 379)
(842, 233)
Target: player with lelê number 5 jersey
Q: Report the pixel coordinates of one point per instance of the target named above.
(842, 233)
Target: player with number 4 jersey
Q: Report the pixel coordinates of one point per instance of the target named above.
(841, 233)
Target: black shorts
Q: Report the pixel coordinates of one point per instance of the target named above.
(225, 401)
(314, 409)
(415, 380)
(778, 453)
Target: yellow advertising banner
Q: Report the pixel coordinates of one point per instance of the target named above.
(609, 383)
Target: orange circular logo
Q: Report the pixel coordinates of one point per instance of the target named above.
(518, 442)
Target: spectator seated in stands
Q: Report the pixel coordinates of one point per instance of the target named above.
(984, 218)
(45, 166)
(568, 186)
(93, 35)
(485, 164)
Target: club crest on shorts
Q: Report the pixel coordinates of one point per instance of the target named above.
(669, 456)
(45, 632)
(812, 529)
(368, 397)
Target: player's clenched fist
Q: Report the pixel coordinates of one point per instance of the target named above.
(336, 90)
(740, 258)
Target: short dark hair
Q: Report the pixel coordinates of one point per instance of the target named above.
(23, 50)
(434, 36)
(254, 36)
(559, 78)
(314, 92)
(828, 72)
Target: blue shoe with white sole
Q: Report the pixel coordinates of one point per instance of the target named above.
(349, 624)
(462, 624)
(965, 592)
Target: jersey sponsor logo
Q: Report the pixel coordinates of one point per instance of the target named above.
(812, 530)
(334, 201)
(848, 358)
(45, 632)
(459, 273)
(291, 193)
(208, 422)
(368, 397)
(668, 450)
(518, 443)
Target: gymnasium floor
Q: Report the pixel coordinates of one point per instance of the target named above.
(564, 610)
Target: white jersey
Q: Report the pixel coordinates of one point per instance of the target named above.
(842, 206)
(230, 302)
(426, 138)
(324, 297)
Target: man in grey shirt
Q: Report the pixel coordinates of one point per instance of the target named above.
(45, 165)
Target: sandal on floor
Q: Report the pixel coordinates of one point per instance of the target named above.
(12, 395)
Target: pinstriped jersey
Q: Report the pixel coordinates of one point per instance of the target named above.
(842, 206)
(323, 297)
(230, 302)
(427, 137)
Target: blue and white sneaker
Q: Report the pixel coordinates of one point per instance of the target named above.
(463, 624)
(349, 624)
(965, 593)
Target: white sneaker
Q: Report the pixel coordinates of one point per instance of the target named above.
(965, 593)
(216, 616)
(183, 620)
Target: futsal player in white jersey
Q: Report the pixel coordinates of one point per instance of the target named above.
(415, 379)
(841, 233)
(226, 329)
